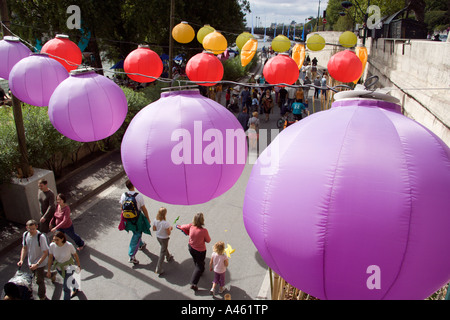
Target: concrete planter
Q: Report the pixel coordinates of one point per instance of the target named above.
(20, 197)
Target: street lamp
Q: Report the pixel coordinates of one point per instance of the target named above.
(347, 4)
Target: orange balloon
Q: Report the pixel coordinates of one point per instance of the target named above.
(248, 51)
(298, 54)
(215, 42)
(361, 52)
(183, 32)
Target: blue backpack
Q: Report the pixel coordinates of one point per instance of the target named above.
(129, 207)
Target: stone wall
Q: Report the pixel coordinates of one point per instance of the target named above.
(417, 71)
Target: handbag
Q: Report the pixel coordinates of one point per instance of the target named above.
(122, 222)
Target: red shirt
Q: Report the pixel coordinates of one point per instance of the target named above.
(197, 236)
(61, 219)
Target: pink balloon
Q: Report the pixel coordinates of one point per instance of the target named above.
(33, 79)
(11, 52)
(353, 204)
(87, 107)
(184, 149)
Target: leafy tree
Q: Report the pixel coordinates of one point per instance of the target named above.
(356, 12)
(437, 15)
(119, 26)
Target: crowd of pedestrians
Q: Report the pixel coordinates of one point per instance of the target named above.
(51, 246)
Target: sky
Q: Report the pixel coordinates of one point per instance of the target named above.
(283, 11)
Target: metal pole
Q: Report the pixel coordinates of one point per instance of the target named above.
(17, 105)
(318, 16)
(172, 6)
(366, 17)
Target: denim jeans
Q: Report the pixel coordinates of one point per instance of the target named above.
(70, 231)
(66, 289)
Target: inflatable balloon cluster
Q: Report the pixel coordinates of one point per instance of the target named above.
(82, 106)
(352, 203)
(183, 149)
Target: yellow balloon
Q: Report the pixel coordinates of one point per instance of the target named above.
(248, 51)
(315, 43)
(281, 43)
(361, 52)
(242, 39)
(183, 32)
(348, 39)
(298, 54)
(215, 42)
(203, 32)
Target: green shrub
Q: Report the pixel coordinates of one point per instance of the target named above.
(9, 153)
(46, 147)
(233, 70)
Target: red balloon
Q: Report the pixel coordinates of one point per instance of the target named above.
(281, 69)
(144, 62)
(64, 51)
(204, 66)
(345, 66)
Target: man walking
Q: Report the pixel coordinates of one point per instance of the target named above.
(34, 244)
(46, 199)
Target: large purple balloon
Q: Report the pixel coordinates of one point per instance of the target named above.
(87, 107)
(11, 52)
(33, 79)
(353, 203)
(184, 149)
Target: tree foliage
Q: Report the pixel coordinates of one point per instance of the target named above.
(355, 14)
(119, 26)
(435, 13)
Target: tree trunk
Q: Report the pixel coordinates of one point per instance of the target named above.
(24, 164)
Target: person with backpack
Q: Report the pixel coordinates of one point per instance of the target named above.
(34, 245)
(135, 219)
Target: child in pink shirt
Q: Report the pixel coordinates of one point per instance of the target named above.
(218, 263)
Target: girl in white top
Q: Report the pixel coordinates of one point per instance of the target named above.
(61, 254)
(218, 263)
(163, 230)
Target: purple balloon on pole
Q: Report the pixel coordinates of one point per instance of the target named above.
(87, 107)
(353, 203)
(184, 149)
(34, 79)
(11, 52)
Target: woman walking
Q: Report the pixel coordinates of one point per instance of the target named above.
(61, 256)
(61, 221)
(198, 237)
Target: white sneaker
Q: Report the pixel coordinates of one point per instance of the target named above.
(133, 260)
